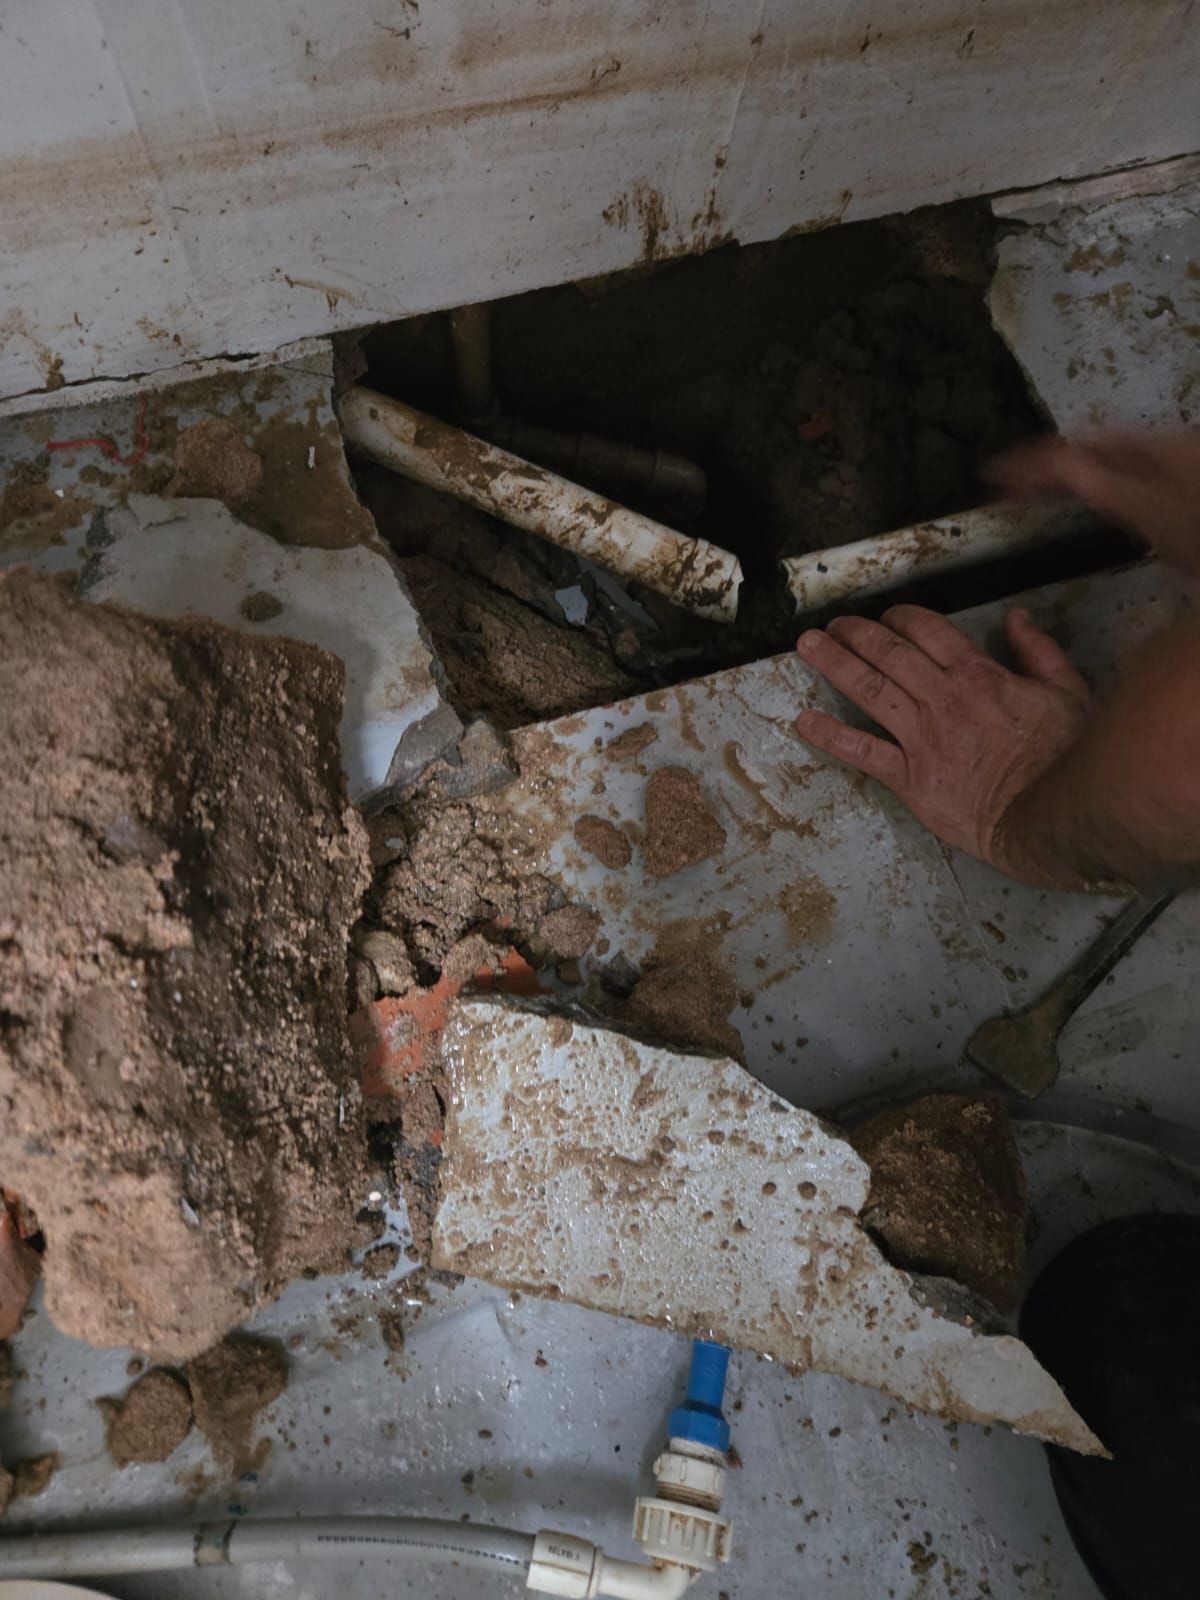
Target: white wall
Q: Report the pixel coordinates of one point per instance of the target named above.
(185, 178)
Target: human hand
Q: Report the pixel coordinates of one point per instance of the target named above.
(1147, 482)
(969, 736)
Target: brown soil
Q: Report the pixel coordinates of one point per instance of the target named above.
(605, 841)
(231, 1384)
(260, 606)
(213, 462)
(504, 659)
(629, 745)
(30, 1478)
(180, 871)
(454, 879)
(948, 1193)
(569, 931)
(6, 1489)
(151, 1419)
(681, 829)
(687, 1003)
(31, 514)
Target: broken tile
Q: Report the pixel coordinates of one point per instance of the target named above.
(1099, 301)
(194, 558)
(690, 1196)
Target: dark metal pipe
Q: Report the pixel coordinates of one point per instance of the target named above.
(612, 466)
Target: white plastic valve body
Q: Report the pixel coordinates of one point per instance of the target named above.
(691, 1473)
(681, 1525)
(681, 1535)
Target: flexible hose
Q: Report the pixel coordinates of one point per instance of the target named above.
(82, 1555)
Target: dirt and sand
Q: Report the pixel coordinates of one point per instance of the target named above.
(213, 461)
(681, 829)
(947, 1193)
(686, 1003)
(150, 1420)
(230, 1385)
(605, 841)
(223, 1391)
(181, 870)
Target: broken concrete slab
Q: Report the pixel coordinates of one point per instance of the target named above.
(676, 1190)
(195, 558)
(833, 918)
(1096, 296)
(69, 456)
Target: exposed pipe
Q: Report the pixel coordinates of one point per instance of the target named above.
(471, 331)
(613, 466)
(628, 1580)
(620, 467)
(238, 1543)
(680, 1529)
(871, 566)
(690, 572)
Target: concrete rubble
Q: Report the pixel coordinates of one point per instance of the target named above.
(675, 1189)
(228, 496)
(177, 1089)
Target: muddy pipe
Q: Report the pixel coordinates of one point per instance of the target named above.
(872, 566)
(613, 466)
(691, 573)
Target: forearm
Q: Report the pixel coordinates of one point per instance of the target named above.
(1122, 805)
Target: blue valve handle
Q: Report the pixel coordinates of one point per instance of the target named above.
(700, 1418)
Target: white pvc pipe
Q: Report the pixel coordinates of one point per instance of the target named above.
(627, 1580)
(690, 572)
(112, 1551)
(871, 566)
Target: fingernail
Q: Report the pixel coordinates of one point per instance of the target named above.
(809, 640)
(1020, 613)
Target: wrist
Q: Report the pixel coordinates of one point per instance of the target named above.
(1021, 850)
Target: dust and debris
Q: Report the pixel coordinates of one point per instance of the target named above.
(381, 1262)
(604, 840)
(214, 462)
(569, 931)
(33, 517)
(681, 830)
(687, 1003)
(261, 606)
(456, 878)
(808, 908)
(150, 1420)
(391, 1330)
(31, 1477)
(504, 659)
(393, 969)
(628, 746)
(948, 1191)
(231, 1384)
(181, 869)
